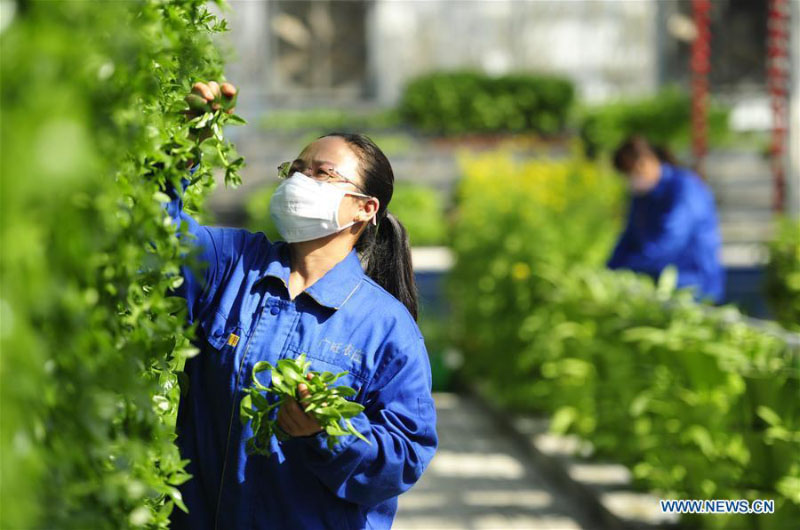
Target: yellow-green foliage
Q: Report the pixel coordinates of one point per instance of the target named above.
(516, 221)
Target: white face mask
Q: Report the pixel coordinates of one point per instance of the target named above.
(304, 209)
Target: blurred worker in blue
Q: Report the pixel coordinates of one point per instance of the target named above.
(672, 220)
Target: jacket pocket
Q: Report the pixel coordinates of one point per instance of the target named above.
(221, 332)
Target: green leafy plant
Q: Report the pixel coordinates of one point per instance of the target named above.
(421, 210)
(783, 273)
(92, 345)
(471, 102)
(326, 403)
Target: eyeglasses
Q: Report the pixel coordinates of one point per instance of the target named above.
(321, 173)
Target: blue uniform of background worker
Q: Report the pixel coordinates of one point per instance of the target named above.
(672, 220)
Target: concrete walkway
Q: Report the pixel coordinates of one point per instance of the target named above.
(480, 480)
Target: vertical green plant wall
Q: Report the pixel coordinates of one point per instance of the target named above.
(92, 129)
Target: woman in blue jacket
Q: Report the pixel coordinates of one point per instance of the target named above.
(672, 220)
(259, 300)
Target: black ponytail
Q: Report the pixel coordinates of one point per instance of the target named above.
(383, 248)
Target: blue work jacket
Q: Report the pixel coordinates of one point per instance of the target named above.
(675, 223)
(343, 322)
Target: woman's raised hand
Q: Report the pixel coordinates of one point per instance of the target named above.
(210, 96)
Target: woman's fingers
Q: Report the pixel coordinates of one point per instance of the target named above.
(295, 422)
(228, 90)
(201, 89)
(286, 417)
(213, 94)
(302, 390)
(214, 87)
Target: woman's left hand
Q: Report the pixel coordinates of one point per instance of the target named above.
(293, 420)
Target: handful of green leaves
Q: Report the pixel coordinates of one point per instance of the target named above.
(327, 404)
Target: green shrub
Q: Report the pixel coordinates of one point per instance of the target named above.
(419, 208)
(326, 119)
(664, 119)
(693, 399)
(514, 221)
(90, 342)
(783, 273)
(471, 102)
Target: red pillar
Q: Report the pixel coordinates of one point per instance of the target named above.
(777, 83)
(700, 66)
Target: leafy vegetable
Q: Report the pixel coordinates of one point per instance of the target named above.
(327, 404)
(92, 347)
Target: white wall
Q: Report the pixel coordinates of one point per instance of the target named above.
(248, 41)
(608, 47)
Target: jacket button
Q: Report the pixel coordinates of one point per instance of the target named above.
(274, 310)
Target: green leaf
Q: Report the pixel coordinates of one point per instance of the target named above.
(260, 401)
(161, 197)
(349, 408)
(246, 411)
(334, 429)
(280, 385)
(177, 498)
(327, 412)
(261, 366)
(769, 416)
(667, 281)
(563, 419)
(289, 370)
(345, 391)
(353, 430)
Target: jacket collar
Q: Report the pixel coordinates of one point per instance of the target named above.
(332, 290)
(667, 175)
